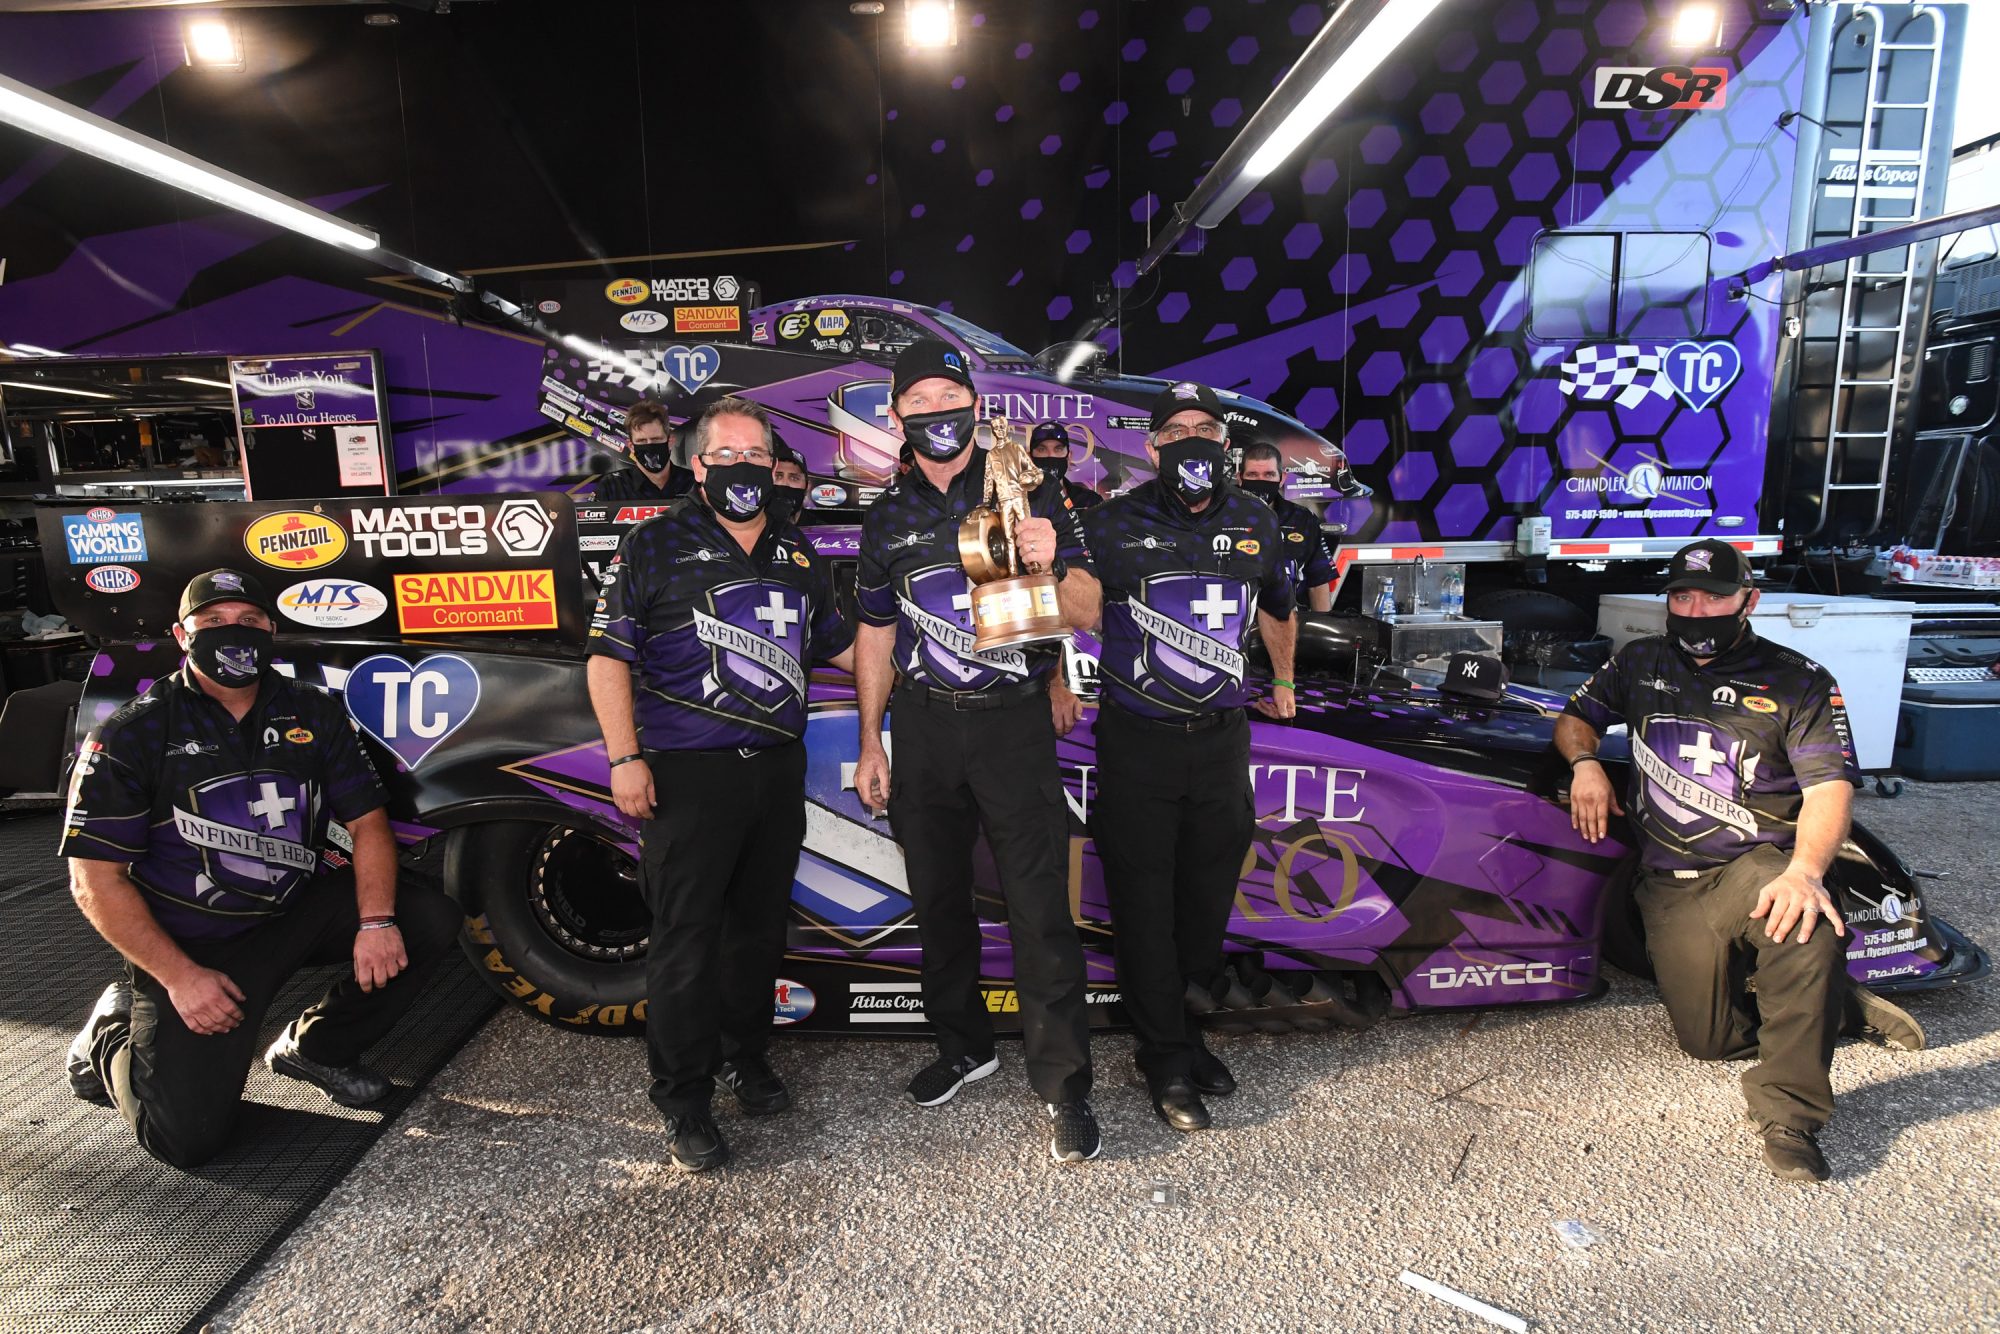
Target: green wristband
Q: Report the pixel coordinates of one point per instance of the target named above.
(1289, 685)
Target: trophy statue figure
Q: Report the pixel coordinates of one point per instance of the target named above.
(1010, 605)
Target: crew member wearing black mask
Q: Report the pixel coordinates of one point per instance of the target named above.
(1741, 779)
(788, 482)
(196, 834)
(717, 609)
(1307, 561)
(1189, 564)
(651, 476)
(1049, 443)
(975, 747)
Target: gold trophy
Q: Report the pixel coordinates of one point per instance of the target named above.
(1009, 606)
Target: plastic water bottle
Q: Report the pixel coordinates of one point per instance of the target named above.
(1453, 600)
(1385, 605)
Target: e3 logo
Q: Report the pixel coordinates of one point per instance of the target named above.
(412, 707)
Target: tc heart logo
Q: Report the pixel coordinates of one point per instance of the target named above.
(692, 367)
(1699, 372)
(412, 707)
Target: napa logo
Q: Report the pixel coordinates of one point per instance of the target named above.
(332, 604)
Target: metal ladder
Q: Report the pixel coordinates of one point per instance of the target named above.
(1856, 281)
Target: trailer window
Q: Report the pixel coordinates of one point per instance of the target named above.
(1585, 286)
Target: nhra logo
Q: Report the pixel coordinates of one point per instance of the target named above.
(1447, 978)
(1663, 88)
(111, 578)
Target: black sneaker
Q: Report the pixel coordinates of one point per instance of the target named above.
(1210, 1075)
(1794, 1155)
(1073, 1134)
(113, 1007)
(758, 1090)
(349, 1085)
(939, 1082)
(1882, 1023)
(695, 1144)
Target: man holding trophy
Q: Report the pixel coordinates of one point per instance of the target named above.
(972, 573)
(1186, 560)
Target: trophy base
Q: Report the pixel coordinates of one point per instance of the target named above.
(1021, 610)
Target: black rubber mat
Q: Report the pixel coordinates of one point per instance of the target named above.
(94, 1234)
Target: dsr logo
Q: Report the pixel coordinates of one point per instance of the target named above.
(1665, 88)
(1446, 978)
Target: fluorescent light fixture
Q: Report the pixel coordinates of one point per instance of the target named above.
(930, 24)
(30, 350)
(1371, 46)
(212, 42)
(196, 379)
(1697, 25)
(53, 389)
(72, 127)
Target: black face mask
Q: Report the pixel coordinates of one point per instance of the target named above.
(1268, 492)
(738, 491)
(230, 655)
(940, 436)
(1706, 636)
(786, 503)
(1055, 469)
(1191, 469)
(653, 456)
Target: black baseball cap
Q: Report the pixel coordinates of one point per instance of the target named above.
(224, 586)
(927, 359)
(1182, 395)
(1711, 565)
(1055, 431)
(784, 453)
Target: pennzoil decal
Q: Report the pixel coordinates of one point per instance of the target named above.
(295, 540)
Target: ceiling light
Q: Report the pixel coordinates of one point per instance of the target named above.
(930, 24)
(1370, 47)
(1697, 26)
(866, 8)
(30, 350)
(73, 127)
(196, 379)
(53, 389)
(211, 42)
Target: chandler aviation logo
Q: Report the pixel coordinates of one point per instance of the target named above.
(295, 540)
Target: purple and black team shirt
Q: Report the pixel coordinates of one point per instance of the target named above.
(1722, 754)
(1180, 595)
(220, 824)
(722, 640)
(911, 578)
(1308, 563)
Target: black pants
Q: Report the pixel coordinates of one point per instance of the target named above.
(954, 773)
(716, 863)
(1704, 944)
(1172, 819)
(181, 1090)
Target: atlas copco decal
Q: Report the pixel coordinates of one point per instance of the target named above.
(1662, 88)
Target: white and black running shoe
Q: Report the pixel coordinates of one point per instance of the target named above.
(939, 1082)
(1073, 1133)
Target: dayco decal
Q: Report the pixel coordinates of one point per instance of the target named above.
(483, 601)
(295, 540)
(1662, 88)
(332, 604)
(1447, 978)
(100, 536)
(625, 291)
(707, 319)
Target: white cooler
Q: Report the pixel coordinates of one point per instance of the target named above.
(1864, 642)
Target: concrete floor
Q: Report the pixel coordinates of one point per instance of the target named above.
(526, 1190)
